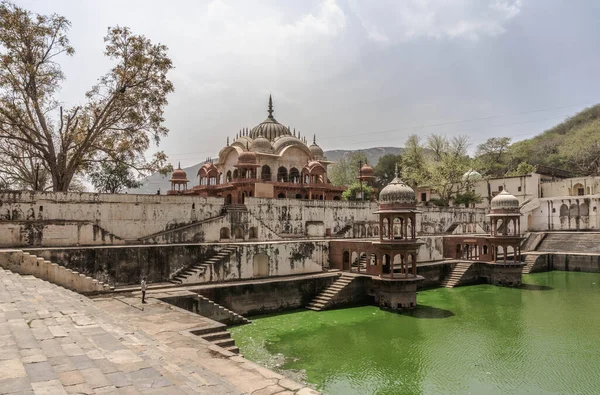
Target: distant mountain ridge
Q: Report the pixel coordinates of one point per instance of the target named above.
(156, 181)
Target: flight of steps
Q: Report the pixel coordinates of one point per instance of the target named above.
(456, 274)
(343, 231)
(586, 242)
(322, 300)
(219, 336)
(530, 260)
(191, 274)
(533, 241)
(360, 263)
(216, 312)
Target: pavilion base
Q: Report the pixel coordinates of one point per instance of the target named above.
(507, 274)
(397, 294)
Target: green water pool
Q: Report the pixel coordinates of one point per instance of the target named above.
(482, 339)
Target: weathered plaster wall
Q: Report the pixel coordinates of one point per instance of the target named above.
(562, 213)
(574, 262)
(126, 265)
(258, 297)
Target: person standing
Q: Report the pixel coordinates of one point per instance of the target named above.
(144, 286)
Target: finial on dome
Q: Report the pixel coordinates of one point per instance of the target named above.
(179, 165)
(298, 134)
(228, 141)
(396, 170)
(294, 132)
(315, 138)
(270, 107)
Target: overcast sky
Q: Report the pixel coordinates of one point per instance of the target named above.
(358, 73)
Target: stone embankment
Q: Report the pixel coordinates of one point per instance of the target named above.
(25, 263)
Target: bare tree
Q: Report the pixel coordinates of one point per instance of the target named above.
(123, 112)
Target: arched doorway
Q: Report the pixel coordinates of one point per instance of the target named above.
(224, 233)
(294, 175)
(265, 173)
(346, 261)
(238, 233)
(282, 174)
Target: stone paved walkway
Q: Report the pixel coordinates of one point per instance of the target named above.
(54, 341)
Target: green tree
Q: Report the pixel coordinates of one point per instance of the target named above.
(121, 114)
(354, 192)
(345, 171)
(493, 157)
(384, 171)
(522, 169)
(413, 162)
(444, 169)
(467, 198)
(112, 177)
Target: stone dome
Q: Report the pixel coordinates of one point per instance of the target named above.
(472, 175)
(207, 168)
(261, 144)
(179, 175)
(315, 150)
(505, 201)
(247, 158)
(397, 192)
(269, 128)
(366, 170)
(284, 141)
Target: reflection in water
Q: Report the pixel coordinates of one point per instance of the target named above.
(486, 339)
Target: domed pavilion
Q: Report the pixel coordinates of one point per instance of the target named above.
(269, 160)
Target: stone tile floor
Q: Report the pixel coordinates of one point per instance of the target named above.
(54, 341)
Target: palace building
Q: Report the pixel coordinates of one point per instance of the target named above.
(270, 161)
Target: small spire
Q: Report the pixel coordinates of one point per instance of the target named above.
(315, 139)
(298, 134)
(179, 165)
(396, 170)
(270, 107)
(228, 141)
(294, 132)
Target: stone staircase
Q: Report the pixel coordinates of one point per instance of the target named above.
(235, 207)
(456, 274)
(323, 300)
(219, 336)
(343, 231)
(25, 263)
(530, 260)
(585, 242)
(533, 241)
(171, 235)
(216, 312)
(360, 264)
(194, 273)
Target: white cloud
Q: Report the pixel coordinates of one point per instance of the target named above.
(387, 21)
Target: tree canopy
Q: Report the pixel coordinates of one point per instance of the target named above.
(120, 117)
(345, 171)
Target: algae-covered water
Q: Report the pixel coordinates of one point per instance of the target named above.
(482, 339)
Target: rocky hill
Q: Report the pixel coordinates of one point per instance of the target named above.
(154, 182)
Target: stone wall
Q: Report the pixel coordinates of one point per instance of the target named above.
(125, 265)
(574, 262)
(562, 213)
(262, 297)
(57, 218)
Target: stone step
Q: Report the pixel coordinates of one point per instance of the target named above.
(217, 336)
(224, 343)
(233, 349)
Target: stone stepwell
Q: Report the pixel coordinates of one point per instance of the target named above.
(196, 273)
(456, 274)
(324, 299)
(530, 261)
(582, 242)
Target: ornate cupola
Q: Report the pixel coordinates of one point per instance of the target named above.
(247, 164)
(315, 150)
(366, 174)
(505, 215)
(269, 128)
(179, 180)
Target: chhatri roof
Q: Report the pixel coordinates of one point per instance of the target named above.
(269, 128)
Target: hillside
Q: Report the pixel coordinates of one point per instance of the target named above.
(572, 145)
(156, 181)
